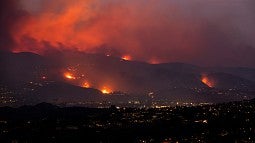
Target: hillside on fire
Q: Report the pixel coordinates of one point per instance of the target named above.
(97, 77)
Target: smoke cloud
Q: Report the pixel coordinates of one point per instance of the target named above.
(208, 33)
(9, 14)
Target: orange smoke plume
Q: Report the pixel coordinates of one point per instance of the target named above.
(169, 31)
(86, 25)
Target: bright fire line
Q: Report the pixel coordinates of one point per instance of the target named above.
(106, 90)
(69, 75)
(126, 57)
(207, 82)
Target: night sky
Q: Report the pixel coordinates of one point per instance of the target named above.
(201, 32)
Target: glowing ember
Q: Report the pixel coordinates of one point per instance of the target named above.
(86, 85)
(207, 81)
(106, 90)
(69, 75)
(126, 58)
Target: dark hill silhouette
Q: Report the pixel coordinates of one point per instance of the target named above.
(62, 92)
(168, 81)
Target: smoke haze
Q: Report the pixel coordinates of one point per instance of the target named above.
(208, 33)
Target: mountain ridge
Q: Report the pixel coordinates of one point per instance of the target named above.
(170, 80)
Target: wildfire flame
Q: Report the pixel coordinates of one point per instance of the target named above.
(207, 81)
(86, 85)
(106, 90)
(126, 57)
(69, 76)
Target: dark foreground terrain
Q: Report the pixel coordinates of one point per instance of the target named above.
(42, 123)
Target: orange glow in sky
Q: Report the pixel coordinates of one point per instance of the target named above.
(167, 30)
(154, 61)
